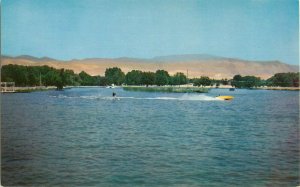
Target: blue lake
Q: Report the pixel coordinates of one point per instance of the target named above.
(83, 137)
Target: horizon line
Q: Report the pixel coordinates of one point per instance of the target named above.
(152, 58)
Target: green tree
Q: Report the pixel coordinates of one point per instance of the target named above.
(7, 73)
(134, 77)
(114, 76)
(284, 79)
(224, 81)
(237, 81)
(99, 81)
(30, 76)
(203, 81)
(250, 82)
(70, 77)
(51, 78)
(61, 81)
(15, 73)
(33, 76)
(246, 82)
(148, 78)
(43, 71)
(161, 77)
(179, 79)
(86, 79)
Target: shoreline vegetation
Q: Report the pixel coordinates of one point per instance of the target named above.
(40, 78)
(279, 88)
(174, 89)
(33, 89)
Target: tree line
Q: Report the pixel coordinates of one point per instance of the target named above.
(49, 76)
(137, 77)
(279, 79)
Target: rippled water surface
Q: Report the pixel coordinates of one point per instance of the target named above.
(82, 136)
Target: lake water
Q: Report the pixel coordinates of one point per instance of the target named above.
(83, 137)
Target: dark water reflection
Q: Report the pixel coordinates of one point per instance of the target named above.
(83, 137)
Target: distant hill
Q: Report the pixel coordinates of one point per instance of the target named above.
(187, 57)
(196, 64)
(35, 59)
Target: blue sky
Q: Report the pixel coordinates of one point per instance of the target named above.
(68, 29)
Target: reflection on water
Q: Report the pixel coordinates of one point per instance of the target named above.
(83, 136)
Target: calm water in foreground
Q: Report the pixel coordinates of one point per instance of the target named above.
(81, 136)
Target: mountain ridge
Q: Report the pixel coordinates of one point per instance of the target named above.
(197, 65)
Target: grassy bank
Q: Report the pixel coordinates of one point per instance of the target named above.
(279, 88)
(167, 89)
(32, 89)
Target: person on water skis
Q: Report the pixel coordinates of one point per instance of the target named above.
(115, 96)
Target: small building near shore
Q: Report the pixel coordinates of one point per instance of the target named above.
(7, 87)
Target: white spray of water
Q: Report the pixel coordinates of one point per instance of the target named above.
(185, 97)
(198, 98)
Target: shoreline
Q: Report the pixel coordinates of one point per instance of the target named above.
(28, 89)
(264, 88)
(170, 89)
(44, 88)
(279, 88)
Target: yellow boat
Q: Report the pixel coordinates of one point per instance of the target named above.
(225, 97)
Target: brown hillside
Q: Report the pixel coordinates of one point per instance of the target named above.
(213, 67)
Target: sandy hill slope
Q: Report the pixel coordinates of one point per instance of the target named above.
(197, 65)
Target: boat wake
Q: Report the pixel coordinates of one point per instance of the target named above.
(185, 97)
